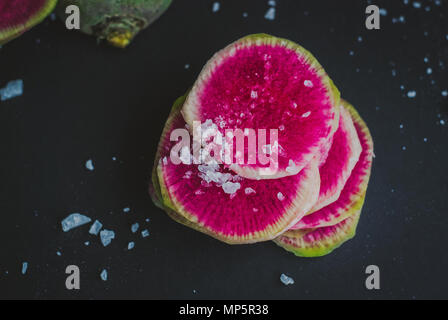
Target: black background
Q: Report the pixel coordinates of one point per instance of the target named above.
(84, 100)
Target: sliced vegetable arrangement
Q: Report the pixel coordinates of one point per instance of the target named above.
(289, 160)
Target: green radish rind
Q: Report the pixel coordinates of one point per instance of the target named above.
(190, 111)
(17, 30)
(342, 225)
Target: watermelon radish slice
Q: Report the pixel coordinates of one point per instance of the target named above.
(352, 196)
(310, 243)
(226, 206)
(263, 82)
(341, 160)
(17, 16)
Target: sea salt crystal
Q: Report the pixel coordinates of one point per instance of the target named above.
(134, 227)
(442, 122)
(89, 165)
(280, 196)
(95, 228)
(412, 94)
(306, 114)
(58, 253)
(245, 14)
(73, 221)
(294, 105)
(145, 233)
(104, 275)
(185, 155)
(249, 191)
(416, 4)
(126, 210)
(272, 3)
(231, 187)
(216, 6)
(106, 237)
(24, 267)
(254, 94)
(308, 83)
(270, 14)
(286, 280)
(292, 168)
(131, 245)
(267, 149)
(383, 12)
(444, 93)
(13, 89)
(429, 71)
(281, 127)
(254, 209)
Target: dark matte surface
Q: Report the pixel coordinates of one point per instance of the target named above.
(84, 100)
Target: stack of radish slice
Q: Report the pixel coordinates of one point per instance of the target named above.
(263, 148)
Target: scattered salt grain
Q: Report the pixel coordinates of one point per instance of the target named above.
(280, 196)
(24, 267)
(442, 122)
(245, 14)
(306, 114)
(103, 275)
(403, 148)
(249, 191)
(286, 280)
(254, 209)
(126, 210)
(95, 228)
(292, 168)
(308, 83)
(187, 66)
(106, 237)
(134, 227)
(383, 12)
(444, 93)
(270, 14)
(231, 187)
(87, 243)
(145, 233)
(73, 221)
(89, 165)
(13, 89)
(272, 3)
(429, 71)
(416, 4)
(254, 94)
(216, 7)
(131, 245)
(412, 94)
(425, 139)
